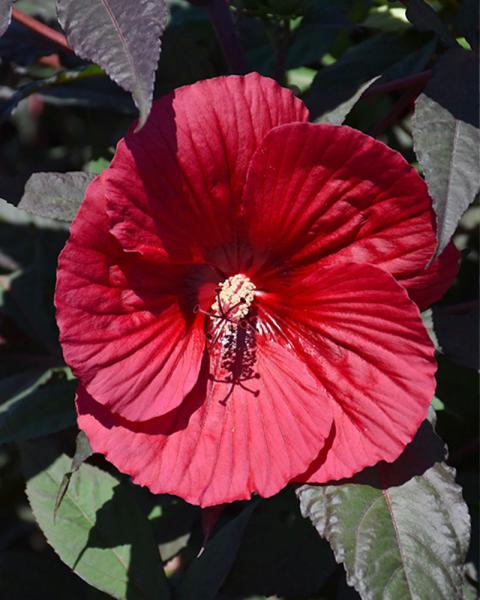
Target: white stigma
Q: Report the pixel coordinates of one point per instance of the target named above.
(234, 298)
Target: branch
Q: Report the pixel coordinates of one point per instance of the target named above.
(41, 29)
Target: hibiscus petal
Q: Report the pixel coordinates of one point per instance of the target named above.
(123, 328)
(321, 192)
(221, 445)
(364, 340)
(173, 187)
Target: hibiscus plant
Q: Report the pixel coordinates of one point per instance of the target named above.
(238, 315)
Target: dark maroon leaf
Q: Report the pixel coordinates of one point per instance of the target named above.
(55, 195)
(316, 33)
(207, 573)
(468, 21)
(5, 15)
(387, 54)
(21, 46)
(457, 331)
(400, 530)
(338, 115)
(424, 18)
(280, 555)
(446, 138)
(121, 36)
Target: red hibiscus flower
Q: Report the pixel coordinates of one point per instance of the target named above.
(239, 297)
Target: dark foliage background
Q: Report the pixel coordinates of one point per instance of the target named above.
(329, 53)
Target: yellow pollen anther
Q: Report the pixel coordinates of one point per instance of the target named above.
(234, 298)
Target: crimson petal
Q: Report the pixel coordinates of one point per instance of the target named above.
(221, 444)
(363, 338)
(122, 325)
(321, 192)
(173, 188)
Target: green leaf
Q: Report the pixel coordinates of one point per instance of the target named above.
(316, 33)
(424, 18)
(207, 573)
(338, 115)
(400, 530)
(19, 385)
(121, 36)
(376, 56)
(99, 532)
(28, 297)
(41, 404)
(28, 303)
(82, 452)
(387, 18)
(33, 575)
(172, 520)
(55, 195)
(97, 166)
(437, 404)
(467, 21)
(45, 9)
(301, 78)
(446, 138)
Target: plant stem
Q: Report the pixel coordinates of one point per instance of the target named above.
(41, 29)
(398, 84)
(283, 40)
(397, 111)
(227, 37)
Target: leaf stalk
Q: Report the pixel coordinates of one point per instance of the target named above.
(398, 84)
(41, 29)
